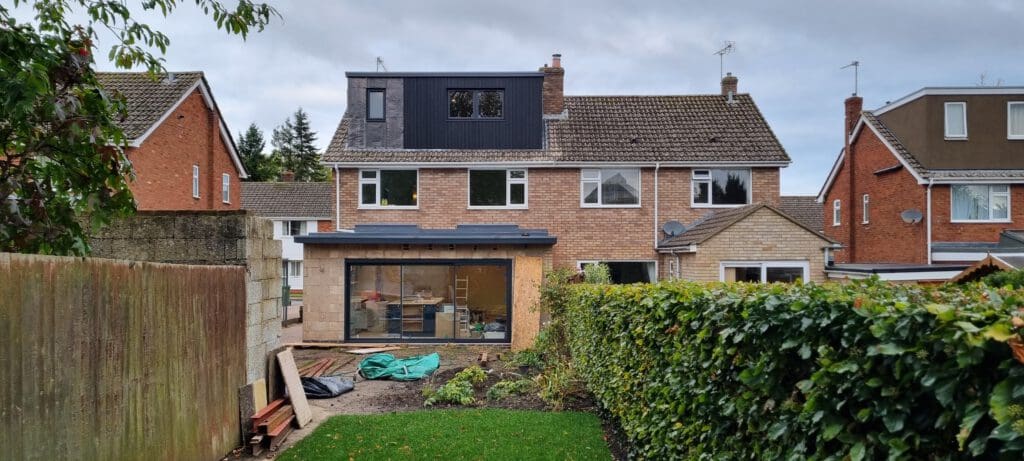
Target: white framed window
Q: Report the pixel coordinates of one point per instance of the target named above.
(865, 212)
(980, 202)
(836, 215)
(375, 104)
(1015, 120)
(388, 188)
(720, 187)
(293, 228)
(956, 120)
(225, 188)
(763, 271)
(294, 269)
(624, 272)
(195, 181)
(610, 187)
(498, 189)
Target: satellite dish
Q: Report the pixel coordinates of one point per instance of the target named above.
(911, 216)
(673, 228)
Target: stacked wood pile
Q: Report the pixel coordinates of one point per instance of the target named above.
(270, 426)
(321, 367)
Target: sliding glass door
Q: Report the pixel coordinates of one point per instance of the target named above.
(428, 300)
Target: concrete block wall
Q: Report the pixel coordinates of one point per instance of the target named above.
(222, 238)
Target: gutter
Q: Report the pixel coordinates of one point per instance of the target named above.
(928, 226)
(337, 198)
(657, 166)
(546, 163)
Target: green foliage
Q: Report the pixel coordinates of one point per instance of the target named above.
(1013, 279)
(750, 371)
(503, 389)
(597, 273)
(259, 166)
(295, 144)
(458, 390)
(63, 168)
(559, 381)
(532, 358)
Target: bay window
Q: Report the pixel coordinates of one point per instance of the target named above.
(388, 188)
(980, 202)
(610, 187)
(497, 188)
(721, 187)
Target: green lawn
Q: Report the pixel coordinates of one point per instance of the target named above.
(485, 434)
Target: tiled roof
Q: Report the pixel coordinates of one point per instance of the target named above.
(289, 199)
(147, 98)
(717, 221)
(699, 128)
(894, 141)
(803, 208)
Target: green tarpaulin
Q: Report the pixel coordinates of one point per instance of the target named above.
(386, 366)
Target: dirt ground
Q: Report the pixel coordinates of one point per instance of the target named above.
(385, 396)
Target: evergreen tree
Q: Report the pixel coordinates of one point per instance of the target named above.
(260, 166)
(294, 143)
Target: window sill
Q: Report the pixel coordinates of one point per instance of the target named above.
(1015, 137)
(609, 206)
(955, 138)
(701, 205)
(510, 207)
(388, 207)
(981, 221)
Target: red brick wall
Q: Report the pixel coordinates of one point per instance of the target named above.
(553, 198)
(325, 226)
(163, 164)
(944, 230)
(886, 238)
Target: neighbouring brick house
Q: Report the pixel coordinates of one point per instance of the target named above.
(450, 187)
(926, 184)
(180, 148)
(296, 209)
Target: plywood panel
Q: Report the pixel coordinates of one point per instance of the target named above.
(303, 414)
(527, 275)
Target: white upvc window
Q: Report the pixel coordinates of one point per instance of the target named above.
(380, 188)
(720, 187)
(195, 181)
(1015, 120)
(294, 269)
(980, 202)
(956, 120)
(498, 188)
(225, 188)
(865, 201)
(763, 271)
(836, 214)
(610, 187)
(293, 228)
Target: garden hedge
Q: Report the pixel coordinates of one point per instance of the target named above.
(750, 371)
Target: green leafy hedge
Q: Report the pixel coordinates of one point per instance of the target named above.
(861, 371)
(1013, 279)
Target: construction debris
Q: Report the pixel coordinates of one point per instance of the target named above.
(271, 426)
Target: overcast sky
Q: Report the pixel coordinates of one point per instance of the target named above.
(788, 54)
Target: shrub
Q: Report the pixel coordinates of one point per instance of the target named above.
(525, 358)
(1014, 279)
(503, 389)
(458, 390)
(858, 371)
(597, 273)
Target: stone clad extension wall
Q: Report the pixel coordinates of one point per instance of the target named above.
(763, 236)
(231, 238)
(103, 359)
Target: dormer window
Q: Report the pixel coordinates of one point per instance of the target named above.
(375, 104)
(956, 120)
(476, 104)
(1015, 120)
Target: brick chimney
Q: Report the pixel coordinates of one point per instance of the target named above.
(854, 106)
(553, 96)
(287, 176)
(729, 84)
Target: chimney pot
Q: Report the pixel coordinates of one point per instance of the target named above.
(556, 60)
(552, 94)
(730, 84)
(854, 106)
(287, 176)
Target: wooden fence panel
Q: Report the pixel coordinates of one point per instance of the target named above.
(105, 359)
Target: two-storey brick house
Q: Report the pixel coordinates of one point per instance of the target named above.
(927, 183)
(450, 187)
(179, 145)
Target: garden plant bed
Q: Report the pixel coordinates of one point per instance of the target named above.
(456, 434)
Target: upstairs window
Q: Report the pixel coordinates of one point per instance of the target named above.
(721, 187)
(1015, 120)
(225, 188)
(983, 202)
(195, 181)
(865, 201)
(610, 187)
(956, 120)
(375, 104)
(293, 228)
(476, 104)
(836, 215)
(388, 188)
(497, 188)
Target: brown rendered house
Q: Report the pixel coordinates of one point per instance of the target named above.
(180, 148)
(928, 184)
(454, 191)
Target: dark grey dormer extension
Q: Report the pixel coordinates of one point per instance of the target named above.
(398, 110)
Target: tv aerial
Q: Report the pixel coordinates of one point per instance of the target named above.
(380, 64)
(856, 66)
(729, 47)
